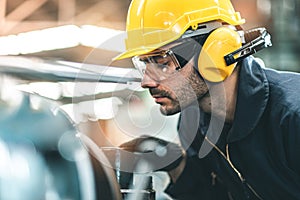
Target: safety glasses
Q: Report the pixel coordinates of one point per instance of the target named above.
(159, 65)
(163, 64)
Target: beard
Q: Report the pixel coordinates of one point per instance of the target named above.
(180, 92)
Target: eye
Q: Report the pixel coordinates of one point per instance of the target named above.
(163, 60)
(165, 63)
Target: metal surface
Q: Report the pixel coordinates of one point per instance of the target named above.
(34, 69)
(45, 159)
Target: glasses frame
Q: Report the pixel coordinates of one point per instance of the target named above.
(180, 54)
(138, 60)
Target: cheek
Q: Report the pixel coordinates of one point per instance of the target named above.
(175, 87)
(186, 86)
(198, 84)
(200, 89)
(182, 92)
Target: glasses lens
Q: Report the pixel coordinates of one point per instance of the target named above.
(159, 65)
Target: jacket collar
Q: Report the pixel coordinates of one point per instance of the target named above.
(252, 98)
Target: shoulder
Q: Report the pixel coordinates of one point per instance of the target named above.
(284, 88)
(284, 100)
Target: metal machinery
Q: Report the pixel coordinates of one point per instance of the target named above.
(42, 156)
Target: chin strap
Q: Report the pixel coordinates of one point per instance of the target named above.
(256, 39)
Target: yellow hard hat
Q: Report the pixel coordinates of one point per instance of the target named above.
(153, 23)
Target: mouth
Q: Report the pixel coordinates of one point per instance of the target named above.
(160, 99)
(160, 96)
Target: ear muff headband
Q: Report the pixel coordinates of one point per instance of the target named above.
(211, 62)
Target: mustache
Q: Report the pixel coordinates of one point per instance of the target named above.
(163, 93)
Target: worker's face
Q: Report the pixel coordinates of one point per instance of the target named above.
(172, 86)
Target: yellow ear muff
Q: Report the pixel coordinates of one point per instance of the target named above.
(211, 62)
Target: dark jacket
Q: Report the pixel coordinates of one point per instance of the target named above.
(263, 142)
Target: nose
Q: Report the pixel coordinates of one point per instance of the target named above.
(148, 82)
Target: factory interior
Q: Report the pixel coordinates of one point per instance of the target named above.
(67, 105)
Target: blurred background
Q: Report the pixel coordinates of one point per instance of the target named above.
(61, 35)
(281, 18)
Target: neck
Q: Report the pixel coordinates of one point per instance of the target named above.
(221, 99)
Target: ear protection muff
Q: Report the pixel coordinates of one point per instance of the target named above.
(223, 49)
(211, 63)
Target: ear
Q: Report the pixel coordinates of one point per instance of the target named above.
(211, 62)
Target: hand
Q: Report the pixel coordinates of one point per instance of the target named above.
(161, 151)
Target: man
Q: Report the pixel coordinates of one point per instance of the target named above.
(240, 122)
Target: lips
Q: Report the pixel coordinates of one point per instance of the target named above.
(160, 99)
(159, 96)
